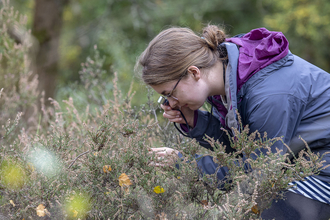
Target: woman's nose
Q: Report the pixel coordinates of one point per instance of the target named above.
(173, 103)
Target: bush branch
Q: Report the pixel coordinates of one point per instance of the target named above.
(77, 158)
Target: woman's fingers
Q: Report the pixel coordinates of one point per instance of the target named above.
(165, 151)
(165, 156)
(160, 149)
(172, 115)
(157, 164)
(161, 162)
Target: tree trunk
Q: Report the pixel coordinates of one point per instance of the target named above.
(47, 25)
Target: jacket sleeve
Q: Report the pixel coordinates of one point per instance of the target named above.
(209, 125)
(277, 114)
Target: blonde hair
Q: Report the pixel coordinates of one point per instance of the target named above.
(173, 50)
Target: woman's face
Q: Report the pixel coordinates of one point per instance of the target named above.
(190, 92)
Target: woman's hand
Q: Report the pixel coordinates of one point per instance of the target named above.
(174, 115)
(165, 156)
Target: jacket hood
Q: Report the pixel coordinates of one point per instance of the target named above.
(258, 49)
(247, 54)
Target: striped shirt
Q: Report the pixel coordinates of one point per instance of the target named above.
(312, 188)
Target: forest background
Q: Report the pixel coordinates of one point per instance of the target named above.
(67, 30)
(77, 124)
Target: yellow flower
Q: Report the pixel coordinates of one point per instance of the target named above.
(75, 213)
(41, 211)
(124, 180)
(159, 189)
(106, 168)
(11, 202)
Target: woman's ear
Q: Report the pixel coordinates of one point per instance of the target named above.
(195, 72)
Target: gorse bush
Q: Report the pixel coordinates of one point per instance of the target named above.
(90, 158)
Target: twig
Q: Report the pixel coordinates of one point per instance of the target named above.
(77, 158)
(156, 119)
(205, 213)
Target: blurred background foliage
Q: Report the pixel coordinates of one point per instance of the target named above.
(121, 29)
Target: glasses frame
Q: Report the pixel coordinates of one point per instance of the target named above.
(170, 95)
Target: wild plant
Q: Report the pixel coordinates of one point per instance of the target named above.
(89, 157)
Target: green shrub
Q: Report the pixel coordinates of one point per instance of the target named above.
(77, 161)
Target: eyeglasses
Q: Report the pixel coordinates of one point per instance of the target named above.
(170, 95)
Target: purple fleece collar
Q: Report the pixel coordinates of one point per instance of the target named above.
(258, 49)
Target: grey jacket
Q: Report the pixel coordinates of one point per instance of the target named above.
(289, 98)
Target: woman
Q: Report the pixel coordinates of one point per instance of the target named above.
(273, 90)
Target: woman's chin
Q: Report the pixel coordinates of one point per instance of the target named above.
(194, 108)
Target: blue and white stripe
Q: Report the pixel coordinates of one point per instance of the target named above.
(312, 188)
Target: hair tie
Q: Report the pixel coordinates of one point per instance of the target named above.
(203, 38)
